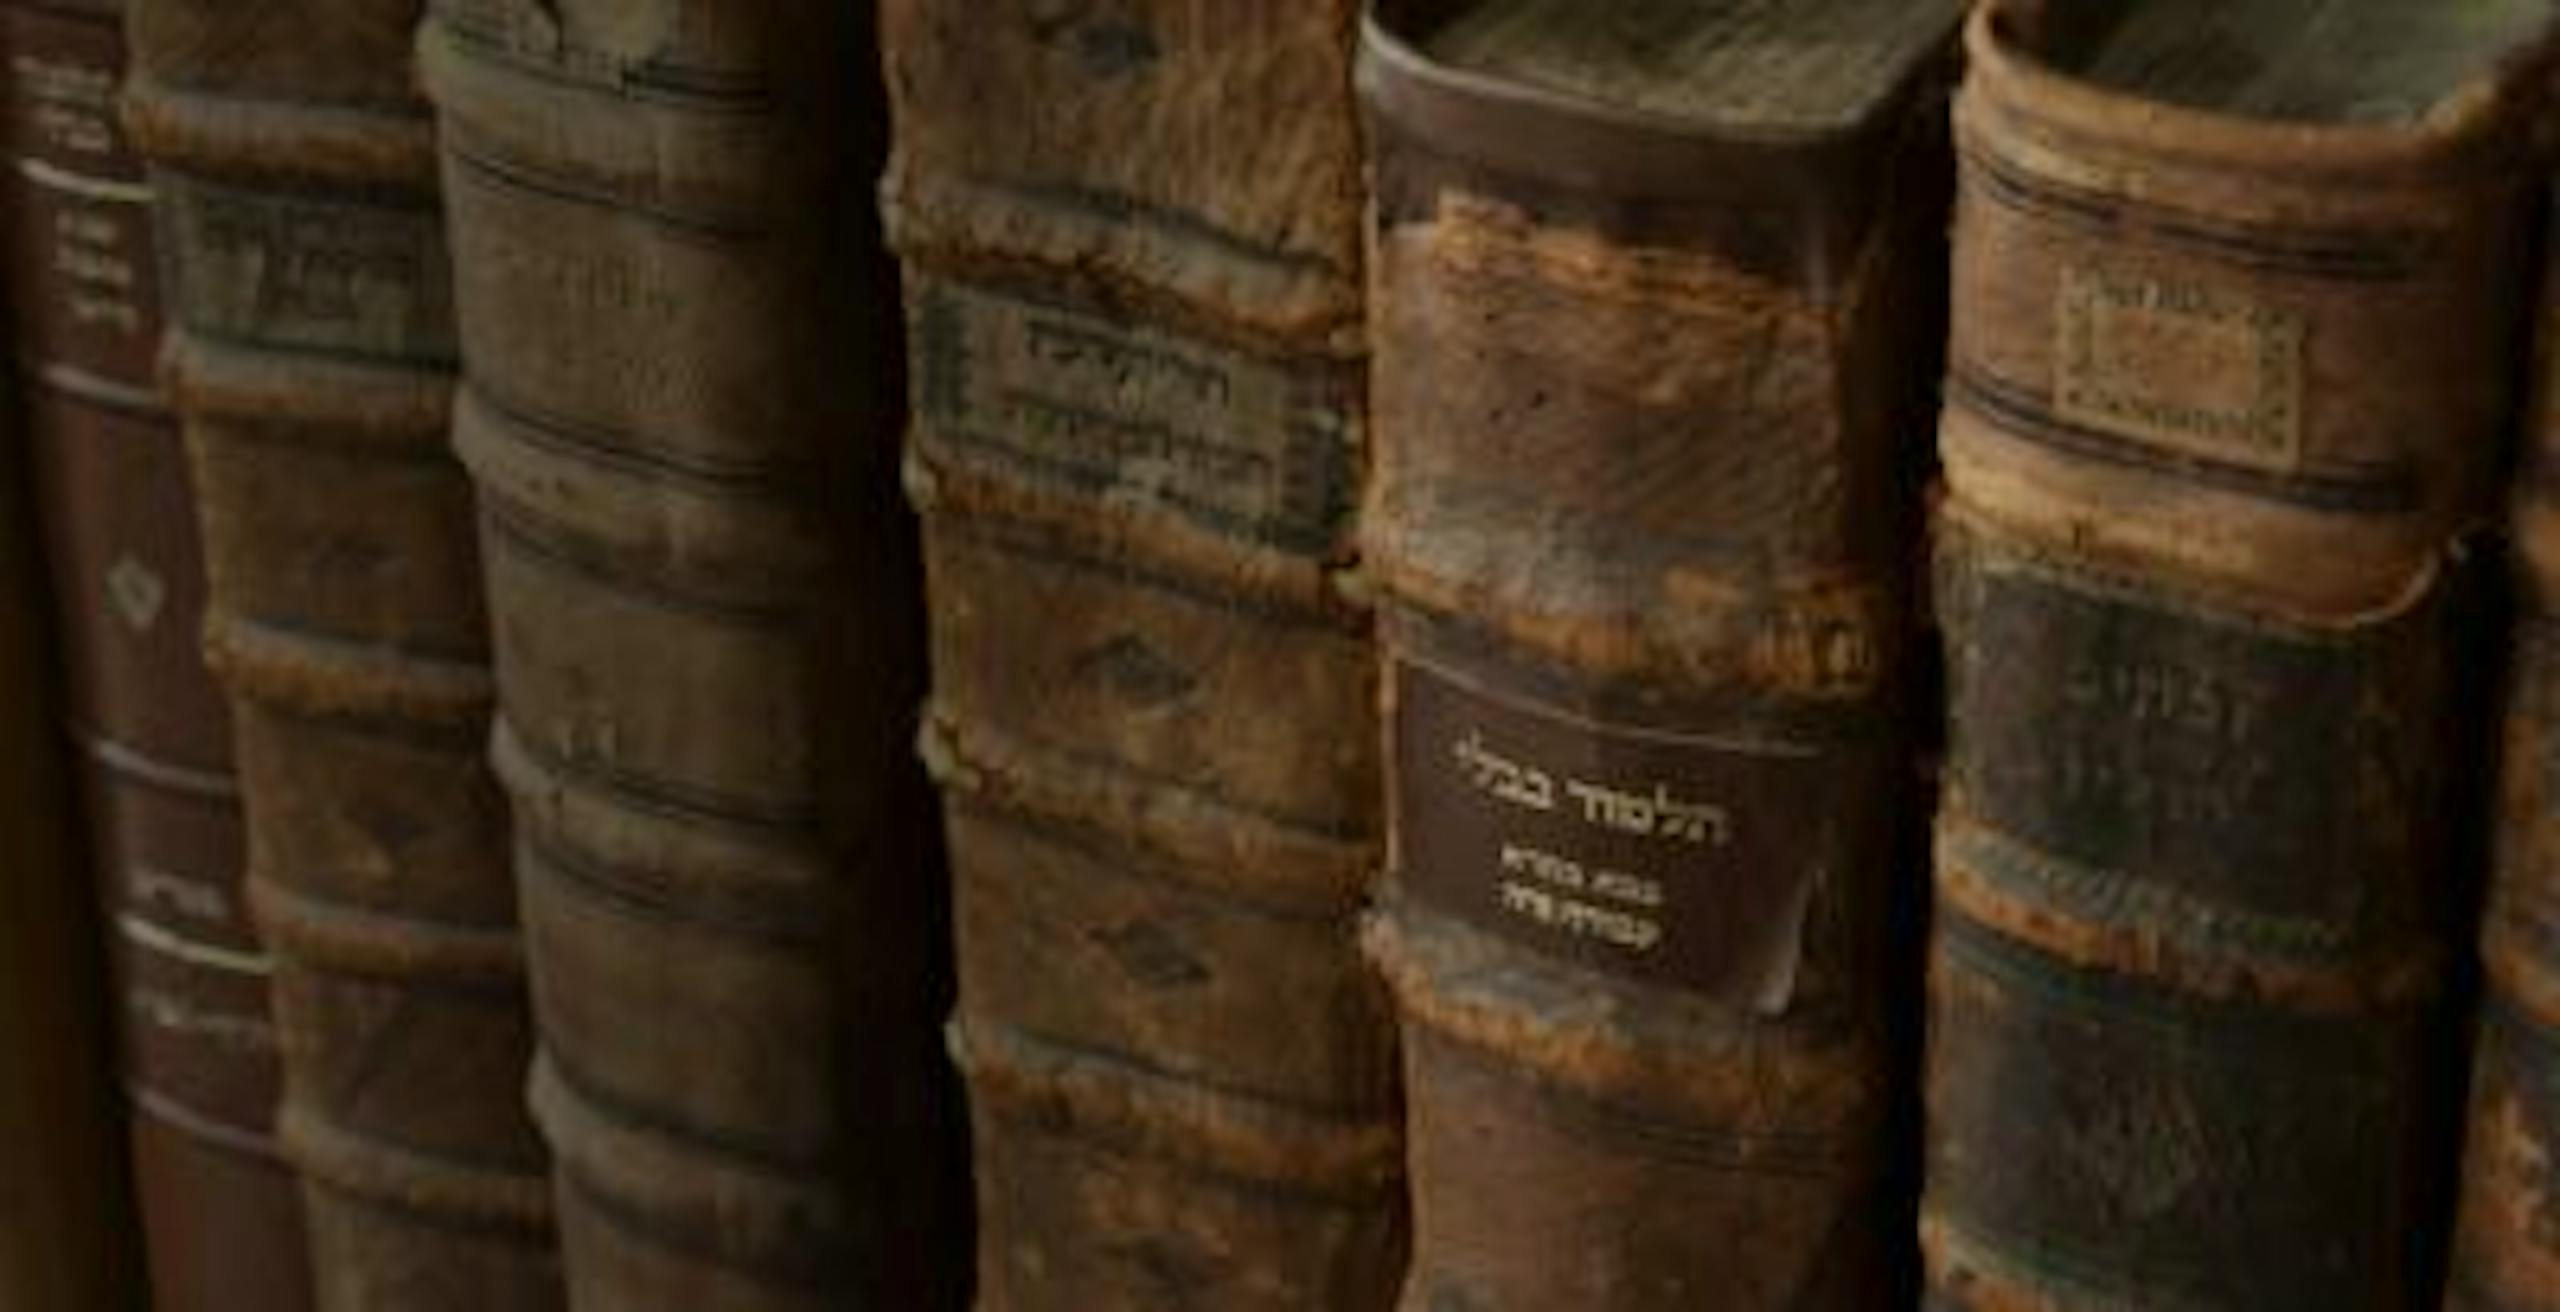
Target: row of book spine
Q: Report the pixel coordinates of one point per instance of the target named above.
(466, 436)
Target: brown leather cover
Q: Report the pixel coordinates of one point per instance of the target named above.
(2506, 1252)
(68, 1238)
(678, 345)
(1132, 244)
(162, 805)
(1640, 521)
(311, 357)
(2223, 396)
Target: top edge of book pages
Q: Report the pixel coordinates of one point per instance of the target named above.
(1780, 64)
(2311, 61)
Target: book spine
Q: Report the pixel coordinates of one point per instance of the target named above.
(1132, 253)
(1639, 524)
(2505, 1256)
(218, 1206)
(2211, 445)
(679, 412)
(310, 359)
(68, 1237)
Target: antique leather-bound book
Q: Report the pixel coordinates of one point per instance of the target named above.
(1651, 326)
(220, 1216)
(2506, 1253)
(2234, 336)
(311, 359)
(67, 1236)
(680, 368)
(1132, 251)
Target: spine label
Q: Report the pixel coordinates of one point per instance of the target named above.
(2182, 365)
(1250, 447)
(308, 272)
(81, 242)
(67, 108)
(1665, 857)
(2273, 774)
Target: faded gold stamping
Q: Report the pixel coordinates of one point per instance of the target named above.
(2181, 365)
(70, 103)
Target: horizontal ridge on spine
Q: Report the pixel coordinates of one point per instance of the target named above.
(1548, 1019)
(320, 674)
(1268, 297)
(2090, 918)
(705, 158)
(746, 1211)
(1196, 838)
(687, 859)
(1109, 1102)
(131, 763)
(257, 1143)
(729, 544)
(1275, 585)
(374, 406)
(352, 146)
(435, 1187)
(418, 954)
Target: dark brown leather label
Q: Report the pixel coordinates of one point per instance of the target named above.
(2137, 752)
(2127, 1142)
(1252, 447)
(1668, 857)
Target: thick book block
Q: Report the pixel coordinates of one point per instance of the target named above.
(2506, 1255)
(311, 358)
(2233, 347)
(219, 1210)
(678, 410)
(1133, 256)
(1650, 324)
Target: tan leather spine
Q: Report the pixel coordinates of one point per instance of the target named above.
(679, 410)
(1640, 519)
(162, 804)
(311, 357)
(2226, 391)
(1132, 246)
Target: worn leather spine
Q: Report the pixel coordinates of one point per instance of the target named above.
(2224, 395)
(1133, 282)
(679, 411)
(311, 358)
(68, 1234)
(2506, 1251)
(1639, 521)
(155, 774)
